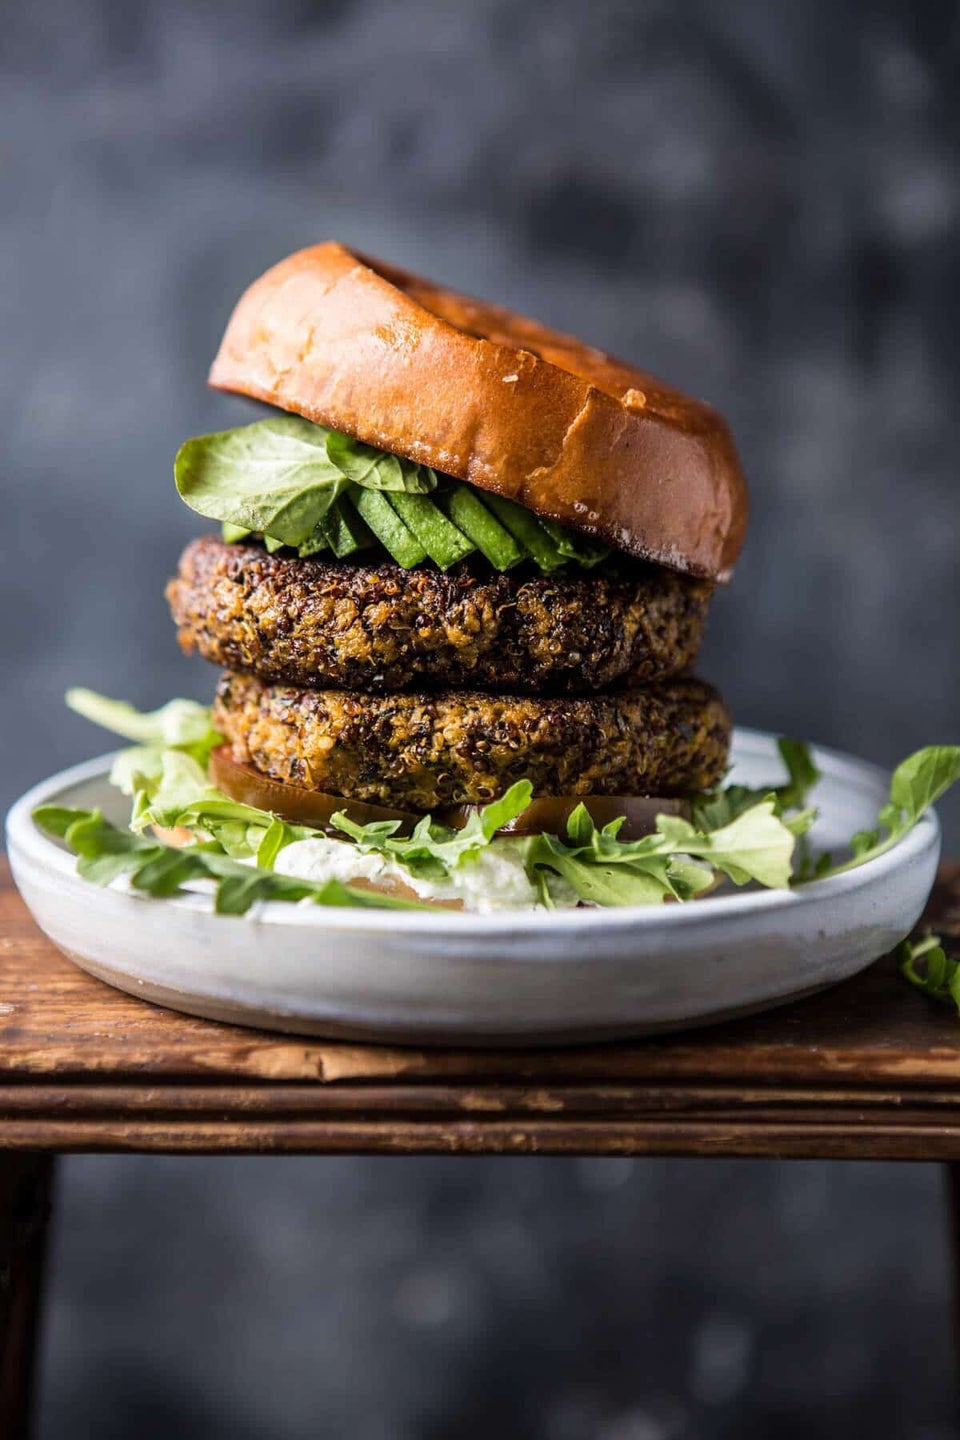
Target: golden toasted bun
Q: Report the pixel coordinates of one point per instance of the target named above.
(492, 398)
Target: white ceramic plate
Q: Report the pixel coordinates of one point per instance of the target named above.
(507, 978)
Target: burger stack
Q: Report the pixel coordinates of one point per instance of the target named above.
(554, 644)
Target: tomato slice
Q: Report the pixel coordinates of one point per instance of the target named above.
(299, 806)
(549, 816)
(249, 786)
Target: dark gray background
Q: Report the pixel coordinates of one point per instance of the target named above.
(760, 202)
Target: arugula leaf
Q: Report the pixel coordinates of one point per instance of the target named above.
(367, 838)
(56, 819)
(163, 871)
(917, 783)
(242, 831)
(757, 845)
(939, 976)
(803, 774)
(920, 780)
(599, 875)
(179, 737)
(182, 798)
(105, 852)
(719, 807)
(433, 850)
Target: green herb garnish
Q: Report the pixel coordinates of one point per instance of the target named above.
(939, 974)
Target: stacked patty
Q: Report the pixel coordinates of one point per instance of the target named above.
(420, 689)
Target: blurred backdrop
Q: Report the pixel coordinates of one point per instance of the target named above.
(760, 202)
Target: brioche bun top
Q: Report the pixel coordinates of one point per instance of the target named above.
(493, 398)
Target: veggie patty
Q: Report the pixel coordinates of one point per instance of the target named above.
(423, 751)
(382, 628)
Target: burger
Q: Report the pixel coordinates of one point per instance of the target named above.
(457, 597)
(467, 551)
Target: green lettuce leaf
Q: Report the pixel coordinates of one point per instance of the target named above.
(184, 724)
(176, 740)
(758, 845)
(181, 798)
(280, 477)
(377, 469)
(273, 477)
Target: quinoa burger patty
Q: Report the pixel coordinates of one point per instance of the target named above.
(382, 628)
(422, 752)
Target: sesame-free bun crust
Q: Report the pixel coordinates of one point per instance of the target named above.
(492, 398)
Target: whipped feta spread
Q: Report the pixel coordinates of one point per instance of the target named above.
(494, 879)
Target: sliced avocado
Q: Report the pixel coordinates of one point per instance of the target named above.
(345, 531)
(441, 539)
(471, 516)
(316, 541)
(231, 534)
(387, 526)
(572, 546)
(273, 544)
(525, 527)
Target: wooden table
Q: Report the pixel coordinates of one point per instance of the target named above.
(868, 1070)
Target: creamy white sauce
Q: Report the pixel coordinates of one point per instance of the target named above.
(494, 879)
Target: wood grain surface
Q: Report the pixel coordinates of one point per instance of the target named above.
(869, 1069)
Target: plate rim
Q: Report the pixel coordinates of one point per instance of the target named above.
(23, 835)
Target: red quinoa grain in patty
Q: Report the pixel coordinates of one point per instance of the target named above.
(378, 627)
(421, 751)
